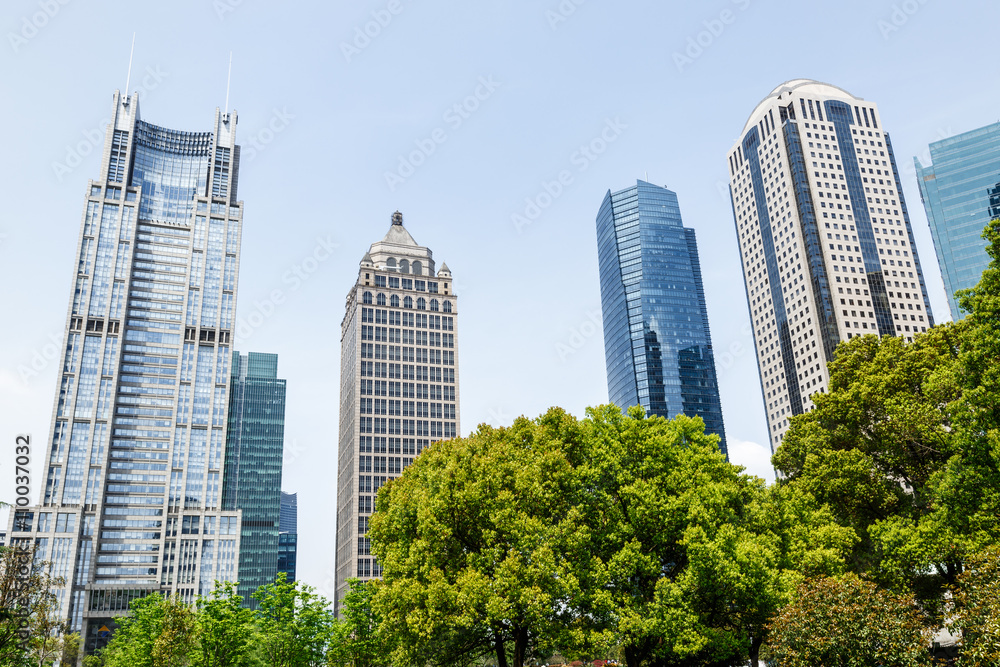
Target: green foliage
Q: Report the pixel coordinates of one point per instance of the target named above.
(977, 610)
(355, 640)
(849, 622)
(477, 542)
(586, 535)
(905, 447)
(158, 632)
(26, 593)
(294, 625)
(225, 629)
(694, 556)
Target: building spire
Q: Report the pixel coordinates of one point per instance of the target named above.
(128, 79)
(397, 218)
(229, 77)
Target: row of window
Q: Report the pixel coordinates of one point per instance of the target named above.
(434, 392)
(381, 369)
(419, 428)
(407, 302)
(403, 319)
(419, 409)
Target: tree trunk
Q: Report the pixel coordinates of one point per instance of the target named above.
(755, 643)
(520, 646)
(501, 651)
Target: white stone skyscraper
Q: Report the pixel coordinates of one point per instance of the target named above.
(825, 238)
(134, 458)
(398, 383)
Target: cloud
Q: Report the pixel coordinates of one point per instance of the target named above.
(752, 456)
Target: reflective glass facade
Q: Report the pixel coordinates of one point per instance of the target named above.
(252, 478)
(133, 469)
(657, 342)
(288, 537)
(961, 193)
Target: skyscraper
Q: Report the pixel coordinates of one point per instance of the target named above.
(251, 479)
(398, 382)
(656, 337)
(133, 462)
(825, 238)
(288, 535)
(961, 193)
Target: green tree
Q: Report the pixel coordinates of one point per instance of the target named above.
(905, 446)
(356, 642)
(26, 603)
(849, 622)
(294, 625)
(225, 629)
(157, 632)
(477, 541)
(696, 557)
(976, 611)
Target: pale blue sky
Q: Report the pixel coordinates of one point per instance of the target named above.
(329, 122)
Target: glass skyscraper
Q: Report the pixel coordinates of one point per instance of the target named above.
(288, 535)
(961, 193)
(133, 463)
(657, 342)
(398, 383)
(825, 238)
(252, 474)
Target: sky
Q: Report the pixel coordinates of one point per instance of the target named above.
(463, 116)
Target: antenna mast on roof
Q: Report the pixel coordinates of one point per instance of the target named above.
(128, 79)
(229, 78)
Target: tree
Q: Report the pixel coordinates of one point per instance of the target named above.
(157, 632)
(225, 629)
(477, 542)
(294, 624)
(26, 602)
(905, 445)
(696, 556)
(849, 622)
(976, 609)
(356, 642)
(618, 530)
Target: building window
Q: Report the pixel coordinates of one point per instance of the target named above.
(367, 297)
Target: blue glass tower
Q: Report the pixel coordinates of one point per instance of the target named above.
(656, 337)
(961, 193)
(288, 537)
(252, 480)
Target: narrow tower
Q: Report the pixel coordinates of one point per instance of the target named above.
(398, 383)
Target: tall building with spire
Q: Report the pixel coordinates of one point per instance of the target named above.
(132, 500)
(657, 342)
(398, 383)
(825, 238)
